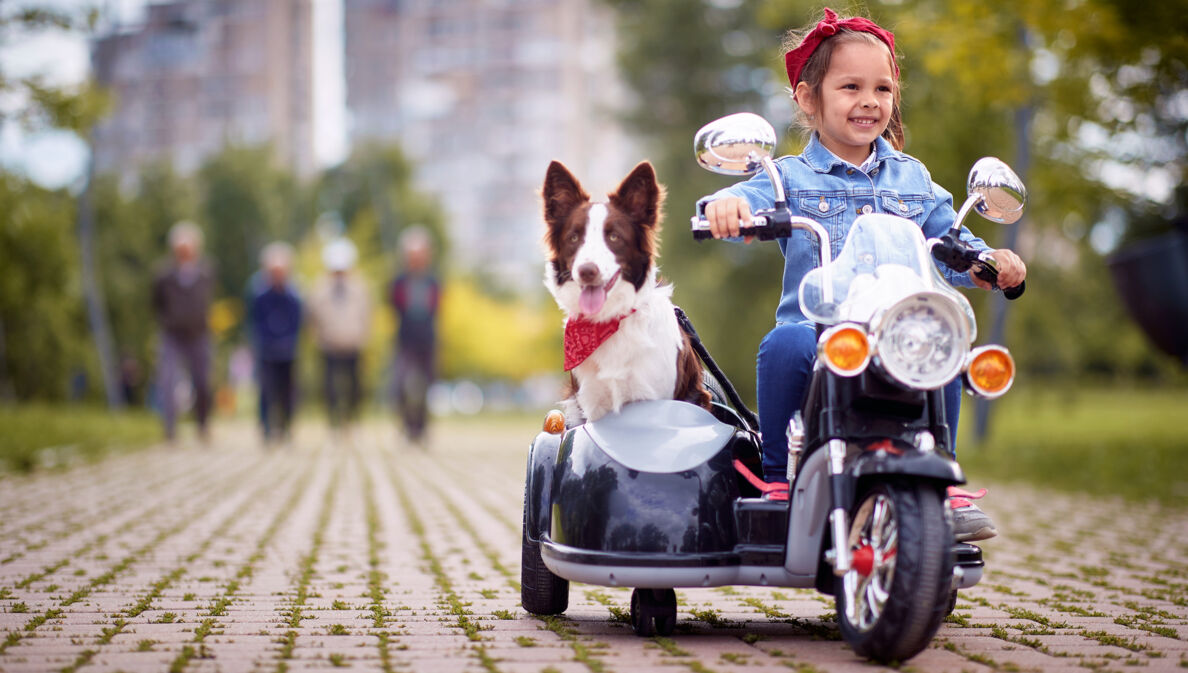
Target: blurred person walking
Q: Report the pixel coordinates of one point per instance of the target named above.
(275, 317)
(340, 314)
(415, 296)
(181, 295)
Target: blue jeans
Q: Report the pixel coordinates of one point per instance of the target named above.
(785, 365)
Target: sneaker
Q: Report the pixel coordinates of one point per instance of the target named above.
(970, 523)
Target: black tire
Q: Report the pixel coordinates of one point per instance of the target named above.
(653, 612)
(894, 624)
(541, 592)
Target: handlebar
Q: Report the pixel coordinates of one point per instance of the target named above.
(959, 256)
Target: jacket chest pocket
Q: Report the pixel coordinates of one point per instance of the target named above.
(820, 207)
(910, 207)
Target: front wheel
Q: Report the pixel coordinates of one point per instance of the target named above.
(893, 599)
(541, 592)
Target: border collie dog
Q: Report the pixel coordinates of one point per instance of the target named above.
(622, 340)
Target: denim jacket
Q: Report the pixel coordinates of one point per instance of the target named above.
(823, 187)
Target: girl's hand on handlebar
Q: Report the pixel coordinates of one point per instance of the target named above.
(726, 214)
(1011, 270)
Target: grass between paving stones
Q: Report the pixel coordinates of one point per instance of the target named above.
(110, 574)
(110, 506)
(46, 436)
(1124, 441)
(456, 606)
(219, 604)
(376, 578)
(465, 525)
(295, 614)
(583, 653)
(618, 614)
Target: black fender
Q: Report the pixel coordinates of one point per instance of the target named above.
(933, 465)
(538, 484)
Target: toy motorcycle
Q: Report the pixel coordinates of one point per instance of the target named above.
(663, 494)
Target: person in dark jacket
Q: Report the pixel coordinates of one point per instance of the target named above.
(275, 320)
(415, 295)
(181, 295)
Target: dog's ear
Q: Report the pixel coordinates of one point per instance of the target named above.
(562, 194)
(640, 196)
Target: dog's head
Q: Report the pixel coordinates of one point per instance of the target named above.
(600, 254)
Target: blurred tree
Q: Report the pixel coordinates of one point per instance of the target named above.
(690, 62)
(375, 197)
(34, 103)
(132, 241)
(245, 201)
(29, 99)
(42, 322)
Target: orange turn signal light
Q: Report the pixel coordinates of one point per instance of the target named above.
(554, 422)
(845, 349)
(991, 371)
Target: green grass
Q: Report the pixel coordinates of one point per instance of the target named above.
(36, 436)
(1125, 441)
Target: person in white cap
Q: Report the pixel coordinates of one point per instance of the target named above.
(340, 314)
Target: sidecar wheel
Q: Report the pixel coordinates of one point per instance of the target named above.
(653, 612)
(900, 537)
(541, 592)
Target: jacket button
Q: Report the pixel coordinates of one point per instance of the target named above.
(902, 207)
(822, 206)
(849, 171)
(867, 210)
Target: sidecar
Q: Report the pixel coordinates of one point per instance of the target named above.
(651, 498)
(656, 497)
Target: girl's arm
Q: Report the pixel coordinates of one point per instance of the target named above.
(1011, 269)
(727, 208)
(939, 221)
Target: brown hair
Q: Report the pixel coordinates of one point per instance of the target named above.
(817, 65)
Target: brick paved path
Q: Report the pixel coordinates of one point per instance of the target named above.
(381, 557)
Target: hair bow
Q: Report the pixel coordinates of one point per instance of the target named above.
(794, 60)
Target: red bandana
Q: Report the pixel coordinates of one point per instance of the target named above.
(583, 337)
(795, 59)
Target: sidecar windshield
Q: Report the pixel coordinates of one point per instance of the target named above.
(885, 259)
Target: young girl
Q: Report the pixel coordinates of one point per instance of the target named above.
(845, 81)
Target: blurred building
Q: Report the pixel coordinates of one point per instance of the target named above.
(201, 74)
(482, 94)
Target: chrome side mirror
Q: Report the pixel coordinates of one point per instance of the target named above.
(995, 192)
(735, 145)
(740, 144)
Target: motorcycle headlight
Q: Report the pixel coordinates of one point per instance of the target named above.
(922, 341)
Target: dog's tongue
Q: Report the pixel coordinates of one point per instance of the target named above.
(592, 299)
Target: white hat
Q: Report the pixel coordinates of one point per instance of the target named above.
(339, 255)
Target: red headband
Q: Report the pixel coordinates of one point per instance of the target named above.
(795, 59)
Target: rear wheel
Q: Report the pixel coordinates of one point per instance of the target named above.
(653, 612)
(891, 602)
(541, 592)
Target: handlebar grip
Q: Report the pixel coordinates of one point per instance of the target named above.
(760, 227)
(1015, 292)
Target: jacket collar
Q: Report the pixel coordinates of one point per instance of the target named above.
(820, 159)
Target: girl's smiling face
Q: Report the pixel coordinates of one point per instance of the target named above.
(856, 101)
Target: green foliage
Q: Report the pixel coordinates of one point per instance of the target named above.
(1117, 440)
(246, 201)
(40, 309)
(37, 435)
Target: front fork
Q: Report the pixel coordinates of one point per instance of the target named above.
(839, 514)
